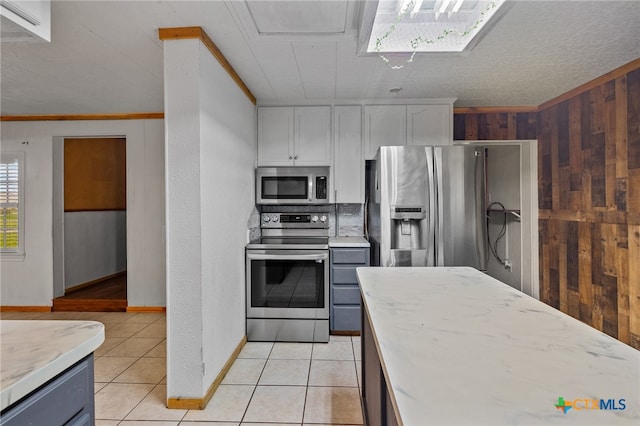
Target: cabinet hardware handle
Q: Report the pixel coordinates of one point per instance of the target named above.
(291, 157)
(295, 158)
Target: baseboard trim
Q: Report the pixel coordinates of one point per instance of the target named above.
(201, 403)
(149, 309)
(92, 282)
(344, 333)
(25, 308)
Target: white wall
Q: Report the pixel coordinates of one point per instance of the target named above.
(210, 158)
(30, 282)
(95, 245)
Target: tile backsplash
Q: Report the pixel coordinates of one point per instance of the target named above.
(350, 220)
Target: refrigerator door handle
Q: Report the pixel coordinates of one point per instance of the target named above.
(433, 200)
(439, 230)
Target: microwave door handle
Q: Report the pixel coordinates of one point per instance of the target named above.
(310, 179)
(287, 256)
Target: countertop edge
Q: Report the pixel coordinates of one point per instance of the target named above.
(42, 375)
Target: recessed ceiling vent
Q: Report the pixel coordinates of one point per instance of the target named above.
(295, 19)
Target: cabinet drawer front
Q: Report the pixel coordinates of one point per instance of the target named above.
(346, 318)
(57, 401)
(354, 256)
(344, 275)
(346, 295)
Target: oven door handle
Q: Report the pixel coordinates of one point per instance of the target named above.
(291, 256)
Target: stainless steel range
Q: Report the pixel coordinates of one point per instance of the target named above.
(288, 279)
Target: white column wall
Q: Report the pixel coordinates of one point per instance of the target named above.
(210, 158)
(228, 157)
(30, 282)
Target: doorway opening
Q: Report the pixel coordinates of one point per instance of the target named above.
(90, 247)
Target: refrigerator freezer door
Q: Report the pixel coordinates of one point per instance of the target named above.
(463, 207)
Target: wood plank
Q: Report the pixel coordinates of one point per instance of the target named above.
(562, 273)
(458, 126)
(610, 148)
(633, 117)
(598, 190)
(82, 117)
(633, 191)
(471, 127)
(622, 257)
(585, 284)
(575, 148)
(609, 249)
(495, 109)
(622, 157)
(634, 285)
(573, 257)
(618, 72)
(512, 126)
(555, 161)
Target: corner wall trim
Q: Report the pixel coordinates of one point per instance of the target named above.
(618, 72)
(25, 308)
(494, 110)
(197, 32)
(201, 403)
(81, 117)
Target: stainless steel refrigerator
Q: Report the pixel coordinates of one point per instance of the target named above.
(426, 206)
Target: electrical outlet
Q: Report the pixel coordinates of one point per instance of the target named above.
(507, 265)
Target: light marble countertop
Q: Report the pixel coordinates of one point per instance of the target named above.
(33, 352)
(459, 347)
(348, 242)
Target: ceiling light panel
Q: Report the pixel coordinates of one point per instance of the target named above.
(437, 26)
(298, 17)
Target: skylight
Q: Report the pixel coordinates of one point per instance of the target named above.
(415, 26)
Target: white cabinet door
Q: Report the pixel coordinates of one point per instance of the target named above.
(275, 136)
(312, 145)
(384, 125)
(349, 155)
(429, 125)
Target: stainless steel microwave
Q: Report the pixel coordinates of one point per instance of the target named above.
(292, 185)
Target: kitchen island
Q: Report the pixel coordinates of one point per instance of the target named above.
(47, 371)
(452, 345)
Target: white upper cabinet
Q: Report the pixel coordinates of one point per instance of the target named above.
(384, 125)
(299, 136)
(275, 136)
(312, 146)
(429, 124)
(349, 158)
(387, 125)
(25, 20)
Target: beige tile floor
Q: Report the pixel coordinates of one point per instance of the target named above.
(269, 383)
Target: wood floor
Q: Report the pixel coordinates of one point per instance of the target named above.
(106, 296)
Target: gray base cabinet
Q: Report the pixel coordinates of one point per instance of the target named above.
(67, 399)
(345, 292)
(376, 401)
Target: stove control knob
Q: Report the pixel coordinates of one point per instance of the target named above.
(323, 219)
(266, 218)
(274, 218)
(314, 218)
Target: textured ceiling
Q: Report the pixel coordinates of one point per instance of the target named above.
(105, 57)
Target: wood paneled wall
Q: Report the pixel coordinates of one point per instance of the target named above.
(588, 194)
(95, 174)
(494, 125)
(589, 200)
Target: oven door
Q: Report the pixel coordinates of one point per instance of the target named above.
(288, 284)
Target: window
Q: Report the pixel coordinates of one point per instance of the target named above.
(11, 203)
